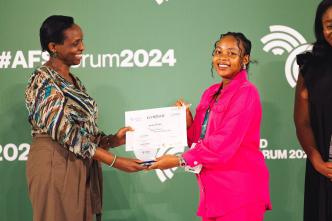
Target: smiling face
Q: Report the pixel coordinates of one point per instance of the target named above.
(70, 51)
(228, 57)
(327, 25)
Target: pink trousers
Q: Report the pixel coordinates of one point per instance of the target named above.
(248, 213)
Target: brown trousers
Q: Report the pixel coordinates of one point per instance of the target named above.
(61, 186)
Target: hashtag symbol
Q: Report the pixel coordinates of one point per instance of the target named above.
(5, 59)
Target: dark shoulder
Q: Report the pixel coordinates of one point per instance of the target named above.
(304, 58)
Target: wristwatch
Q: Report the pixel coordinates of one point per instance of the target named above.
(182, 162)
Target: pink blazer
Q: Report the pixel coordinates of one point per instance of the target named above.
(234, 173)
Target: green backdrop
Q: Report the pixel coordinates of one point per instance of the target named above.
(145, 54)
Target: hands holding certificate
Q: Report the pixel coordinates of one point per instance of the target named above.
(158, 128)
(169, 161)
(121, 163)
(165, 162)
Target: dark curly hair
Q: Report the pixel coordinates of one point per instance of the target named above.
(52, 30)
(321, 46)
(240, 38)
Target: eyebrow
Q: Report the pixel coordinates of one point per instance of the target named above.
(226, 48)
(78, 39)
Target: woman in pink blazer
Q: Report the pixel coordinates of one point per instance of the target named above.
(224, 138)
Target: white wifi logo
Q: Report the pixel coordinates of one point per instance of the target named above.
(163, 175)
(159, 2)
(282, 39)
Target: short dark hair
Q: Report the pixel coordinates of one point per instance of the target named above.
(52, 30)
(321, 46)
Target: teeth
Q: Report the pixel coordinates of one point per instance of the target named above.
(223, 65)
(79, 55)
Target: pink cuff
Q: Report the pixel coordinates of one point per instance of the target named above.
(190, 157)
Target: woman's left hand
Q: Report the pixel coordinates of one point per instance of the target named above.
(165, 162)
(120, 137)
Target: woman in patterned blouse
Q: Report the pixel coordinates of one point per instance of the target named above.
(63, 169)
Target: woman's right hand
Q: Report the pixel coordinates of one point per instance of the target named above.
(324, 168)
(165, 162)
(128, 165)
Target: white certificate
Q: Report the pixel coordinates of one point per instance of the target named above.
(156, 128)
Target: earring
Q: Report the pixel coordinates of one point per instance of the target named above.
(244, 66)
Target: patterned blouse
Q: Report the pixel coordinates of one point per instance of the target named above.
(64, 111)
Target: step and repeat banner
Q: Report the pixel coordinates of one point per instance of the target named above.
(147, 54)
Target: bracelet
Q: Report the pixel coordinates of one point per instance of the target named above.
(111, 165)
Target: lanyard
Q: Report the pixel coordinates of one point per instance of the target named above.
(205, 123)
(207, 114)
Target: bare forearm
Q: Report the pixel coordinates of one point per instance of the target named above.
(103, 156)
(302, 122)
(308, 144)
(189, 118)
(121, 163)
